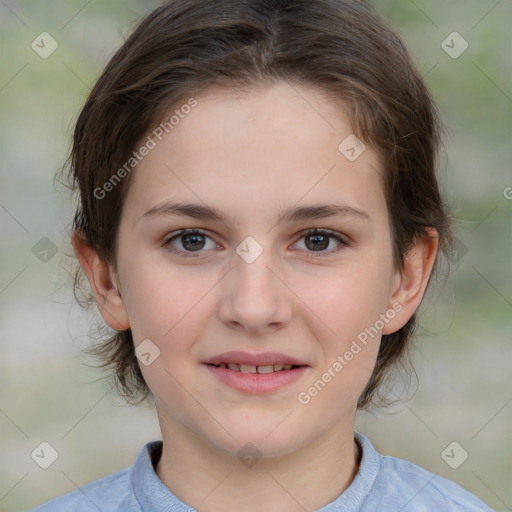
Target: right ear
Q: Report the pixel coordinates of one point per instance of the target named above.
(102, 279)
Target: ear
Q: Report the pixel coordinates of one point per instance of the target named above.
(103, 283)
(411, 281)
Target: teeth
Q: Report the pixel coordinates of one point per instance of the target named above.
(249, 368)
(266, 369)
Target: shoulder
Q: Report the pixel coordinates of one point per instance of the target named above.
(106, 494)
(423, 489)
(416, 490)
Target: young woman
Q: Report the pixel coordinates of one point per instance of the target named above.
(259, 219)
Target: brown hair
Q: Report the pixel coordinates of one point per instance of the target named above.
(342, 47)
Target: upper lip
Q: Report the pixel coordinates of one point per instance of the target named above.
(254, 359)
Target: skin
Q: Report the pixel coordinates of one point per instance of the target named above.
(251, 154)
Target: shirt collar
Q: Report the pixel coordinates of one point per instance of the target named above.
(154, 496)
(151, 493)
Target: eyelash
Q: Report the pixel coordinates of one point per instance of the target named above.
(314, 231)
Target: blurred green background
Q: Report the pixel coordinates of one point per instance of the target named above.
(463, 356)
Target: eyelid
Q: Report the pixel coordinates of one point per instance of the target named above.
(184, 231)
(321, 231)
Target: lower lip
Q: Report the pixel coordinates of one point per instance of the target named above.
(257, 383)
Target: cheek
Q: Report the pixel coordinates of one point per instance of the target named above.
(158, 297)
(347, 299)
(347, 310)
(169, 376)
(171, 309)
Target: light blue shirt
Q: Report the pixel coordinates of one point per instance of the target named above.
(382, 484)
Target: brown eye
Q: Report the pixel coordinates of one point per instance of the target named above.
(321, 241)
(188, 240)
(193, 242)
(317, 242)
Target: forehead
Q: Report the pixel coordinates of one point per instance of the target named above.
(256, 151)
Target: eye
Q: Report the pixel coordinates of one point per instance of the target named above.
(318, 240)
(194, 241)
(190, 240)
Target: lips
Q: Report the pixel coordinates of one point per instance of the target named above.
(256, 373)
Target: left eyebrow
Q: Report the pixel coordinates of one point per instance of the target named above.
(203, 212)
(321, 211)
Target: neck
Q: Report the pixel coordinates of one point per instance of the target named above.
(211, 480)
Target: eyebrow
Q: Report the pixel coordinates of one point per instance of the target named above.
(203, 212)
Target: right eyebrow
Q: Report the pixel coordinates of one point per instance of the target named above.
(197, 211)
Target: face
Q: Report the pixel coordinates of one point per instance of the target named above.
(293, 267)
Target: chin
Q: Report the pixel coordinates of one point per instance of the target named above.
(261, 440)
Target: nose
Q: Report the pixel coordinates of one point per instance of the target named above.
(254, 299)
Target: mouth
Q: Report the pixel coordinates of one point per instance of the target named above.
(255, 373)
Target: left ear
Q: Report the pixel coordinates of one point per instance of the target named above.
(411, 281)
